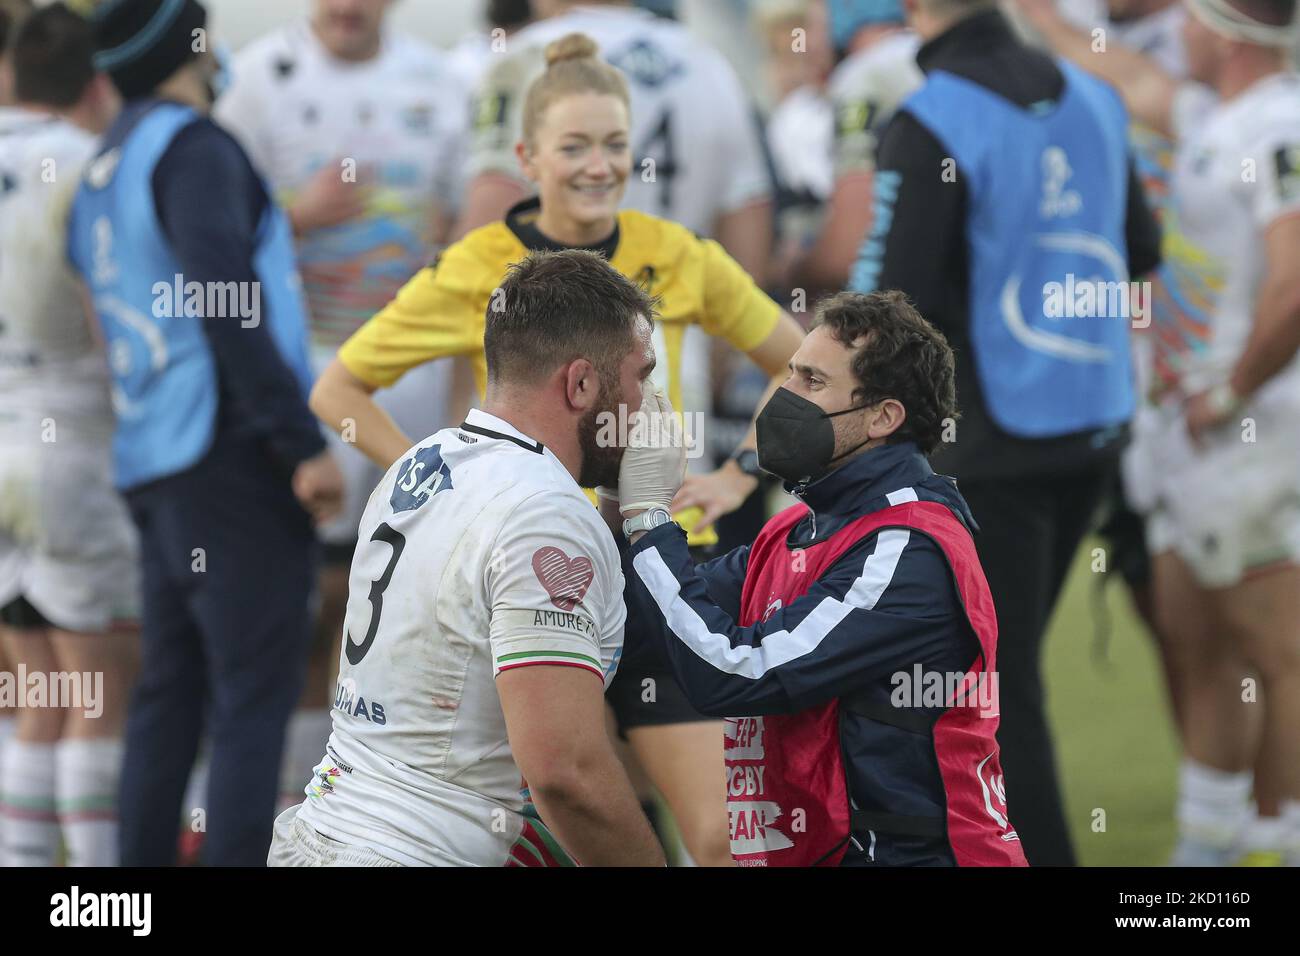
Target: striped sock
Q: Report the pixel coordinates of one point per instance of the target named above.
(31, 827)
(86, 793)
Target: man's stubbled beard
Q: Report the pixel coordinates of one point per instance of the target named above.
(599, 465)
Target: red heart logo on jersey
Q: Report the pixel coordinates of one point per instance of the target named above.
(566, 579)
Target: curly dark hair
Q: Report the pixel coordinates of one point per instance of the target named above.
(899, 355)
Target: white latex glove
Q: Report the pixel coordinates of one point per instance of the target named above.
(654, 463)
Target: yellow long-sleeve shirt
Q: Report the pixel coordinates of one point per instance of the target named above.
(442, 310)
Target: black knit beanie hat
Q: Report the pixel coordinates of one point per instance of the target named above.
(140, 43)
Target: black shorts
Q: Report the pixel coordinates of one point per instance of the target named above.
(645, 691)
(21, 615)
(649, 697)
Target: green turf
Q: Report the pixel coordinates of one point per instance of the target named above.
(1116, 747)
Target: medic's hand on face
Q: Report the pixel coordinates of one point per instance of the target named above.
(654, 462)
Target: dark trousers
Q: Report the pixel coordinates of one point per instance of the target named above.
(1030, 529)
(229, 565)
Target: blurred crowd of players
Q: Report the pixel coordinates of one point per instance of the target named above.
(426, 141)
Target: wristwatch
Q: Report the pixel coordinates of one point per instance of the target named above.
(647, 520)
(747, 461)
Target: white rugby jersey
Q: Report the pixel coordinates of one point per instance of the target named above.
(1237, 171)
(690, 115)
(400, 118)
(478, 552)
(865, 90)
(50, 363)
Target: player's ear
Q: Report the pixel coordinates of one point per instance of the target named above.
(581, 384)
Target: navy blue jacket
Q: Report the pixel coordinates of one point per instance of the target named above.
(917, 619)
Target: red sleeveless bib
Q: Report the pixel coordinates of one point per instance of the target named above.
(787, 793)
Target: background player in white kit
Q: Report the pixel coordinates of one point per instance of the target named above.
(1216, 457)
(486, 609)
(798, 133)
(359, 131)
(68, 564)
(876, 71)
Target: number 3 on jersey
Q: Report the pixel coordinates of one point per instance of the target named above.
(397, 541)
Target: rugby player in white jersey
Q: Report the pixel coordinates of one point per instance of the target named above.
(486, 615)
(68, 562)
(1216, 461)
(798, 131)
(877, 70)
(359, 131)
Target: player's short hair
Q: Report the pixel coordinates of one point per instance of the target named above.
(555, 307)
(572, 67)
(11, 12)
(899, 355)
(52, 57)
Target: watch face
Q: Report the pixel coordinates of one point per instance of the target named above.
(647, 521)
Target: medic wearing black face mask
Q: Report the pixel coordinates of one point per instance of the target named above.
(796, 439)
(827, 630)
